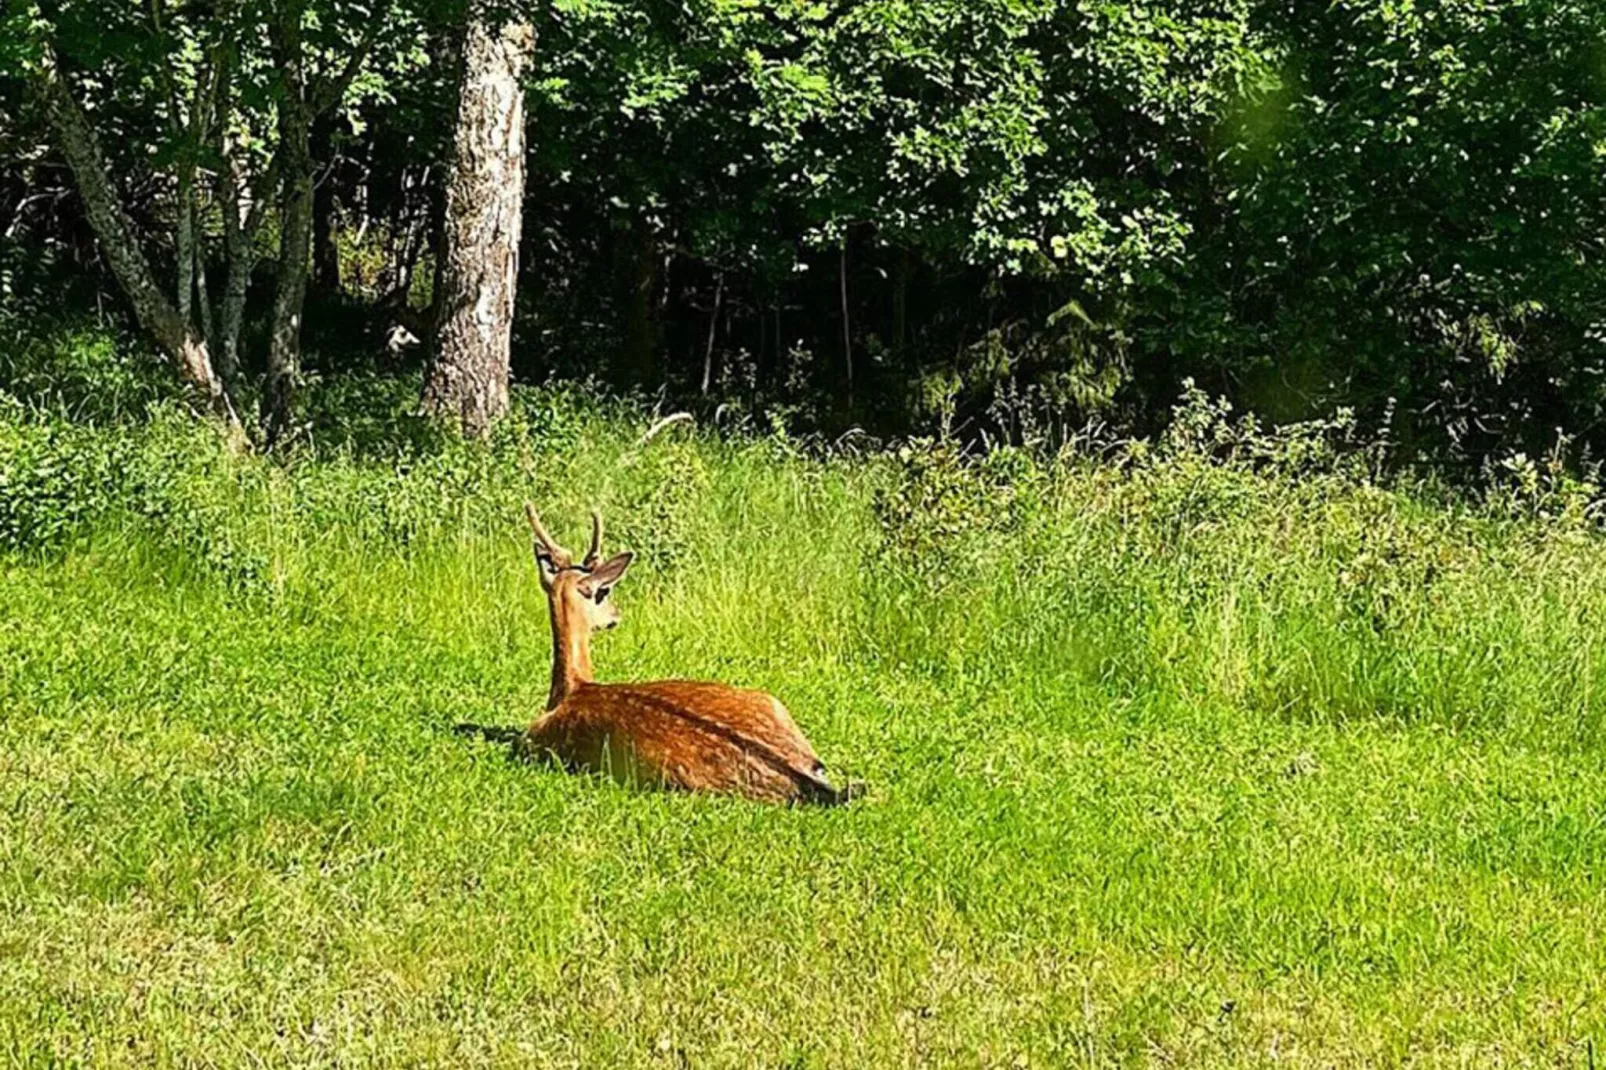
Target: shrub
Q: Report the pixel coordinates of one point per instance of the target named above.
(55, 477)
(79, 373)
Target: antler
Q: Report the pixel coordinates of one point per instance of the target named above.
(594, 555)
(544, 541)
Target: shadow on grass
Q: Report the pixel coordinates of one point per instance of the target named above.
(501, 734)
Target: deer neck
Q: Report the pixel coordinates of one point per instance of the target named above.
(571, 651)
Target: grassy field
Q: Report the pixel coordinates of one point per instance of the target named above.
(1173, 761)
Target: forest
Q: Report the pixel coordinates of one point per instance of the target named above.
(1141, 460)
(1022, 216)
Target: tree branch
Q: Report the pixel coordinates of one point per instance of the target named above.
(331, 90)
(165, 73)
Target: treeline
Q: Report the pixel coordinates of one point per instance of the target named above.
(1014, 215)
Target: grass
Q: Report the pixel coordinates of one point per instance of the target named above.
(1173, 762)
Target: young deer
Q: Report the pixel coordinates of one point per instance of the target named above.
(675, 733)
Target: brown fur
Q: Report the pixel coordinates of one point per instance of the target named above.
(683, 734)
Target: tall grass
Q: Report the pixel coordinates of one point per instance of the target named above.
(1218, 750)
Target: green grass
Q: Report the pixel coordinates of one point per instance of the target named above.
(1172, 763)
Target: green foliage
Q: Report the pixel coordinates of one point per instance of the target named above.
(668, 481)
(931, 121)
(1410, 212)
(1388, 208)
(1554, 489)
(78, 373)
(942, 512)
(1203, 428)
(1068, 206)
(55, 478)
(366, 471)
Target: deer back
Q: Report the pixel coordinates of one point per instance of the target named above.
(687, 734)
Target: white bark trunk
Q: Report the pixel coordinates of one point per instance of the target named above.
(468, 379)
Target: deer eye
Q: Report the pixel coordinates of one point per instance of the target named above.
(602, 595)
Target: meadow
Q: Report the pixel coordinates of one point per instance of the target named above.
(1224, 749)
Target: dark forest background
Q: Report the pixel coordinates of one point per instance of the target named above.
(1013, 217)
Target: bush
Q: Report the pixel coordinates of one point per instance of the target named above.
(55, 477)
(80, 373)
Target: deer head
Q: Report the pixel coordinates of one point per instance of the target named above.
(578, 593)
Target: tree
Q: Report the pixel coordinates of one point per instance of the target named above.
(303, 98)
(478, 278)
(190, 90)
(1057, 205)
(1412, 216)
(172, 330)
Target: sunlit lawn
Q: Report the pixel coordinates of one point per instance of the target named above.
(1151, 782)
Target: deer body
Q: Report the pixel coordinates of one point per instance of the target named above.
(685, 734)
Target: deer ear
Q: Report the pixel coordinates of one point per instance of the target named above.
(611, 571)
(546, 567)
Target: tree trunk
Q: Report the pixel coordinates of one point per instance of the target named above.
(242, 258)
(479, 265)
(295, 249)
(115, 232)
(185, 244)
(900, 307)
(203, 300)
(238, 248)
(325, 253)
(847, 324)
(713, 325)
(295, 231)
(636, 259)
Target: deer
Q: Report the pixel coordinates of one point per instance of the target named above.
(686, 735)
